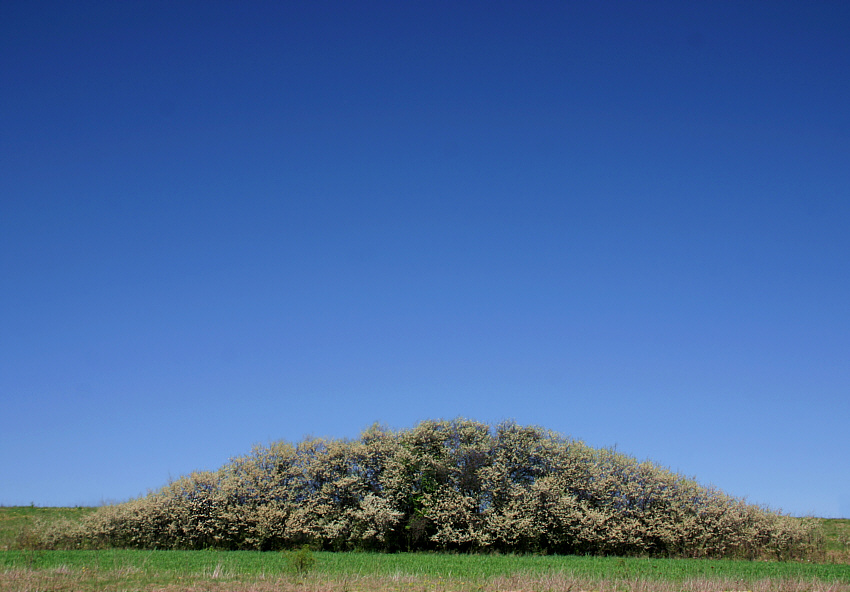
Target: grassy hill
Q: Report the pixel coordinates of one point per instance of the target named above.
(16, 520)
(836, 533)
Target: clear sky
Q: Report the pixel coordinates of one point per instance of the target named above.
(229, 223)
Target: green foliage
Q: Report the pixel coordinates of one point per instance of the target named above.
(455, 485)
(301, 560)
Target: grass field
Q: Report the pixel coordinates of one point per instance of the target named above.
(246, 571)
(254, 571)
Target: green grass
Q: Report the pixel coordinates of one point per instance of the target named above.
(471, 567)
(836, 532)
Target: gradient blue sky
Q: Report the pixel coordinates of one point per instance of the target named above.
(227, 223)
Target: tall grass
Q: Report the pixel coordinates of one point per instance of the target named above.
(415, 565)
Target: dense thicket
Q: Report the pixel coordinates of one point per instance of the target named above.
(455, 485)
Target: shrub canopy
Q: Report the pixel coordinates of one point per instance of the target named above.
(444, 485)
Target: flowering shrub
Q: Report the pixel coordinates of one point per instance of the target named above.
(454, 485)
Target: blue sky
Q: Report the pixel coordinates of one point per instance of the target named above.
(228, 223)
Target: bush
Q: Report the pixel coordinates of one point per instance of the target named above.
(302, 560)
(444, 485)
